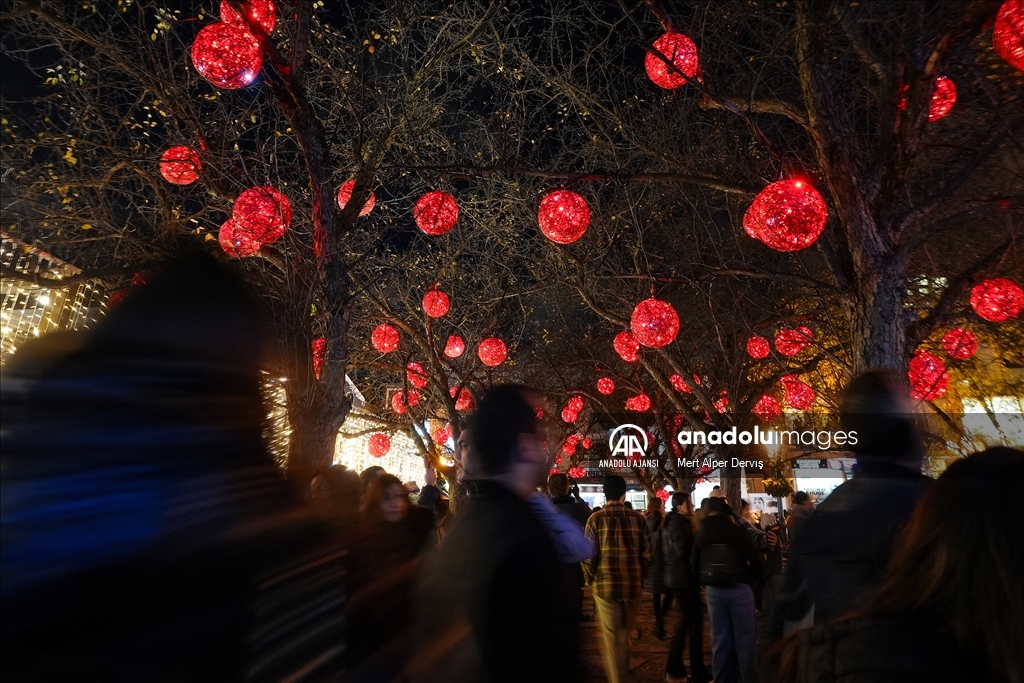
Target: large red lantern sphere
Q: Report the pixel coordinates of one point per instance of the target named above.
(1008, 33)
(998, 299)
(791, 342)
(319, 349)
(943, 98)
(455, 346)
(627, 346)
(788, 215)
(436, 303)
(262, 213)
(928, 376)
(259, 12)
(235, 241)
(180, 165)
(492, 352)
(436, 213)
(416, 375)
(767, 408)
(379, 445)
(384, 338)
(654, 323)
(678, 50)
(227, 56)
(605, 385)
(463, 400)
(799, 395)
(563, 216)
(345, 194)
(758, 347)
(639, 403)
(960, 344)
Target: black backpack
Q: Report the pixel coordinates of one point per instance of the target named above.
(721, 565)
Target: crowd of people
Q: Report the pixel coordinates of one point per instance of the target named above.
(148, 535)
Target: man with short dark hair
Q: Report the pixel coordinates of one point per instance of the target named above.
(558, 489)
(801, 509)
(615, 574)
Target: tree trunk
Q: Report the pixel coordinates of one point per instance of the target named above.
(878, 322)
(314, 433)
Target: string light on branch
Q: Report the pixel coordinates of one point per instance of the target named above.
(319, 349)
(678, 50)
(379, 444)
(791, 342)
(799, 395)
(627, 346)
(259, 12)
(436, 303)
(1008, 33)
(998, 299)
(345, 194)
(180, 165)
(455, 346)
(767, 408)
(492, 352)
(960, 344)
(262, 214)
(463, 401)
(639, 403)
(928, 376)
(788, 215)
(227, 56)
(654, 323)
(605, 385)
(236, 243)
(416, 375)
(384, 338)
(436, 213)
(943, 98)
(563, 216)
(758, 347)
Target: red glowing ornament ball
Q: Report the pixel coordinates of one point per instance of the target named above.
(678, 50)
(569, 415)
(627, 346)
(379, 445)
(943, 98)
(384, 338)
(639, 403)
(263, 214)
(587, 442)
(416, 375)
(398, 403)
(345, 194)
(117, 296)
(654, 323)
(443, 434)
(436, 213)
(455, 346)
(574, 439)
(998, 299)
(436, 303)
(235, 242)
(463, 400)
(1008, 33)
(259, 12)
(319, 348)
(227, 56)
(577, 472)
(721, 404)
(576, 403)
(662, 494)
(563, 216)
(758, 347)
(788, 215)
(180, 165)
(791, 342)
(767, 408)
(799, 395)
(538, 413)
(569, 448)
(605, 385)
(492, 352)
(928, 376)
(960, 344)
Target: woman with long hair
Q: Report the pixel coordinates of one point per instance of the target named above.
(951, 603)
(654, 578)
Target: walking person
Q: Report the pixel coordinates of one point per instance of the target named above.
(679, 534)
(727, 564)
(615, 574)
(654, 578)
(558, 489)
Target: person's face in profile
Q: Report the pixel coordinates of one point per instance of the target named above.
(461, 457)
(395, 504)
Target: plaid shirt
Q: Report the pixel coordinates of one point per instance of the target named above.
(623, 552)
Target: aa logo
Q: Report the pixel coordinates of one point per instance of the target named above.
(628, 441)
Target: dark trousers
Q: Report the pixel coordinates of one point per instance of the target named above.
(691, 624)
(662, 602)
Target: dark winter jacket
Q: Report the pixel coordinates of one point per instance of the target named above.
(654, 577)
(677, 546)
(723, 554)
(572, 507)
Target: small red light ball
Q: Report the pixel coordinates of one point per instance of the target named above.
(662, 494)
(758, 347)
(928, 376)
(563, 216)
(678, 383)
(960, 344)
(319, 348)
(463, 401)
(262, 214)
(788, 215)
(569, 415)
(799, 395)
(767, 408)
(680, 51)
(576, 403)
(261, 12)
(236, 242)
(998, 299)
(639, 403)
(227, 56)
(588, 443)
(436, 213)
(379, 445)
(454, 347)
(398, 403)
(627, 346)
(436, 303)
(943, 98)
(606, 385)
(117, 296)
(539, 412)
(384, 338)
(577, 472)
(492, 352)
(654, 323)
(1008, 33)
(345, 194)
(443, 435)
(416, 375)
(791, 342)
(180, 165)
(721, 404)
